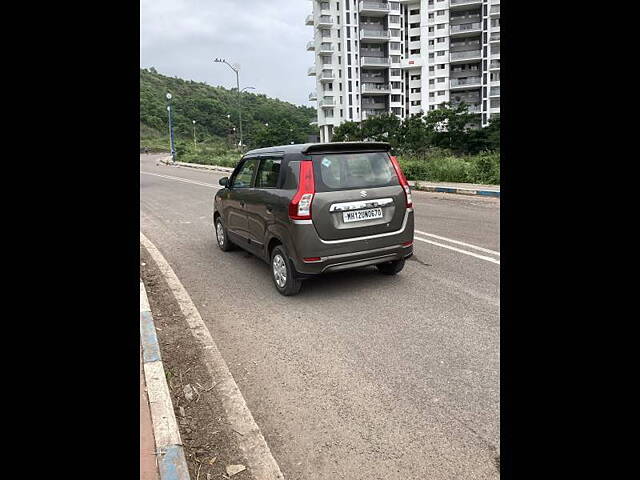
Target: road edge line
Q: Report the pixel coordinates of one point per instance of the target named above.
(257, 454)
(172, 463)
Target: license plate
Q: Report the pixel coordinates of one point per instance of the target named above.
(359, 215)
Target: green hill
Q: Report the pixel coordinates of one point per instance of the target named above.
(209, 107)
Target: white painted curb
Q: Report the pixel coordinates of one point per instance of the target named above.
(257, 454)
(172, 463)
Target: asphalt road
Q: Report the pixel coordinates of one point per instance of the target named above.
(360, 376)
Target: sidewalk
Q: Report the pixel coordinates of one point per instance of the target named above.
(148, 466)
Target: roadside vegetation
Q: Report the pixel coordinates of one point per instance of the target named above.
(442, 145)
(265, 121)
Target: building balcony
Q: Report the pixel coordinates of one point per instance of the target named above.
(494, 92)
(464, 2)
(375, 35)
(453, 56)
(308, 20)
(313, 97)
(325, 48)
(474, 107)
(495, 37)
(494, 64)
(465, 82)
(465, 29)
(373, 8)
(326, 103)
(325, 21)
(326, 76)
(311, 46)
(312, 71)
(494, 10)
(465, 18)
(382, 62)
(375, 88)
(368, 113)
(372, 78)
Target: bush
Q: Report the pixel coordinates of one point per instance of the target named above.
(483, 168)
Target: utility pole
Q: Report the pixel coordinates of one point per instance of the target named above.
(195, 144)
(173, 150)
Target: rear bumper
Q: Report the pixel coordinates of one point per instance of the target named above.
(349, 253)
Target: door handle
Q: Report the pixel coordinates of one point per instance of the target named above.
(241, 203)
(269, 209)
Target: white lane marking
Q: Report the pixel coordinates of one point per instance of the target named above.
(185, 180)
(489, 259)
(251, 441)
(486, 250)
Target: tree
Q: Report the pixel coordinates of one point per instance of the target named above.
(381, 128)
(413, 137)
(347, 132)
(449, 126)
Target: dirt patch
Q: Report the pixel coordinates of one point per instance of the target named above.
(208, 440)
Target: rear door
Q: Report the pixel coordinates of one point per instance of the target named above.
(240, 186)
(263, 199)
(357, 194)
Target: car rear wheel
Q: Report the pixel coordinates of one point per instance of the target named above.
(221, 236)
(391, 268)
(283, 273)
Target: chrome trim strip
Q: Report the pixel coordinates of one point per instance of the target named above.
(368, 237)
(341, 207)
(303, 222)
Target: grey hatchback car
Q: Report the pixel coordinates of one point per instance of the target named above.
(316, 208)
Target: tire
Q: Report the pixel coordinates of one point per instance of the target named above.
(391, 268)
(222, 239)
(283, 273)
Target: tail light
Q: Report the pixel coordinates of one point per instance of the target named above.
(300, 206)
(403, 182)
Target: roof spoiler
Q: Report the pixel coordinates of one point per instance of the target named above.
(346, 147)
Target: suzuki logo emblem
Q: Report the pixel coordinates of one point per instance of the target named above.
(363, 193)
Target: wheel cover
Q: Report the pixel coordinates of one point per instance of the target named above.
(279, 270)
(220, 233)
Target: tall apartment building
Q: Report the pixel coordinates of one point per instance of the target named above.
(403, 57)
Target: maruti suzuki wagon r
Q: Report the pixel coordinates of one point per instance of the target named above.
(316, 208)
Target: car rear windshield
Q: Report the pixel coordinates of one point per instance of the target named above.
(345, 171)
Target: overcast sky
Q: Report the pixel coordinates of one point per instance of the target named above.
(267, 38)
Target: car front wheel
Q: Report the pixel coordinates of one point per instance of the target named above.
(221, 236)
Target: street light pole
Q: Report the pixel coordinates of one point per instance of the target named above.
(173, 150)
(237, 72)
(195, 144)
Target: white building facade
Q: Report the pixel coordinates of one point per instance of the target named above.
(403, 57)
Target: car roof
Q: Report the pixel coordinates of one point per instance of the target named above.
(332, 147)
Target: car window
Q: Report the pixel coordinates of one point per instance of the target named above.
(268, 173)
(245, 174)
(342, 171)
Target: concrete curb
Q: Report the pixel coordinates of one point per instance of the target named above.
(172, 463)
(459, 191)
(420, 187)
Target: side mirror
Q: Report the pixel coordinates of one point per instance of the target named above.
(223, 181)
